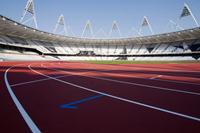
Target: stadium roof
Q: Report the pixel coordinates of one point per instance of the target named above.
(13, 28)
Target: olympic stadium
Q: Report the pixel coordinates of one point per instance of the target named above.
(56, 82)
(19, 42)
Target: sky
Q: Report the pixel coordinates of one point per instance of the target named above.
(128, 14)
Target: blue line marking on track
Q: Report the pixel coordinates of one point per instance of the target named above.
(71, 104)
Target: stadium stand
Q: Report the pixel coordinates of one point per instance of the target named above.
(18, 41)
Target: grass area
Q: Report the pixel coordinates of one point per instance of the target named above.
(139, 62)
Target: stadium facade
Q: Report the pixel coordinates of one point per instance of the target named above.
(20, 42)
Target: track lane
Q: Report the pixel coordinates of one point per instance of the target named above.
(119, 116)
(50, 122)
(33, 127)
(10, 118)
(119, 98)
(145, 74)
(143, 82)
(191, 102)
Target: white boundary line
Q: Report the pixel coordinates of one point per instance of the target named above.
(173, 70)
(158, 76)
(121, 99)
(180, 82)
(22, 111)
(131, 83)
(43, 79)
(154, 68)
(37, 80)
(165, 80)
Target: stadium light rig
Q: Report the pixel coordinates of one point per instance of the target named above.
(115, 27)
(29, 9)
(188, 12)
(61, 23)
(88, 27)
(146, 23)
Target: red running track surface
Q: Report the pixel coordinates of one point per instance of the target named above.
(132, 98)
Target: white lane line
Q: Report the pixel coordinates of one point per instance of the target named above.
(173, 70)
(175, 81)
(131, 83)
(37, 80)
(22, 111)
(172, 81)
(154, 68)
(158, 76)
(43, 79)
(120, 98)
(164, 80)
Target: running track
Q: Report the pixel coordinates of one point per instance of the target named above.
(79, 97)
